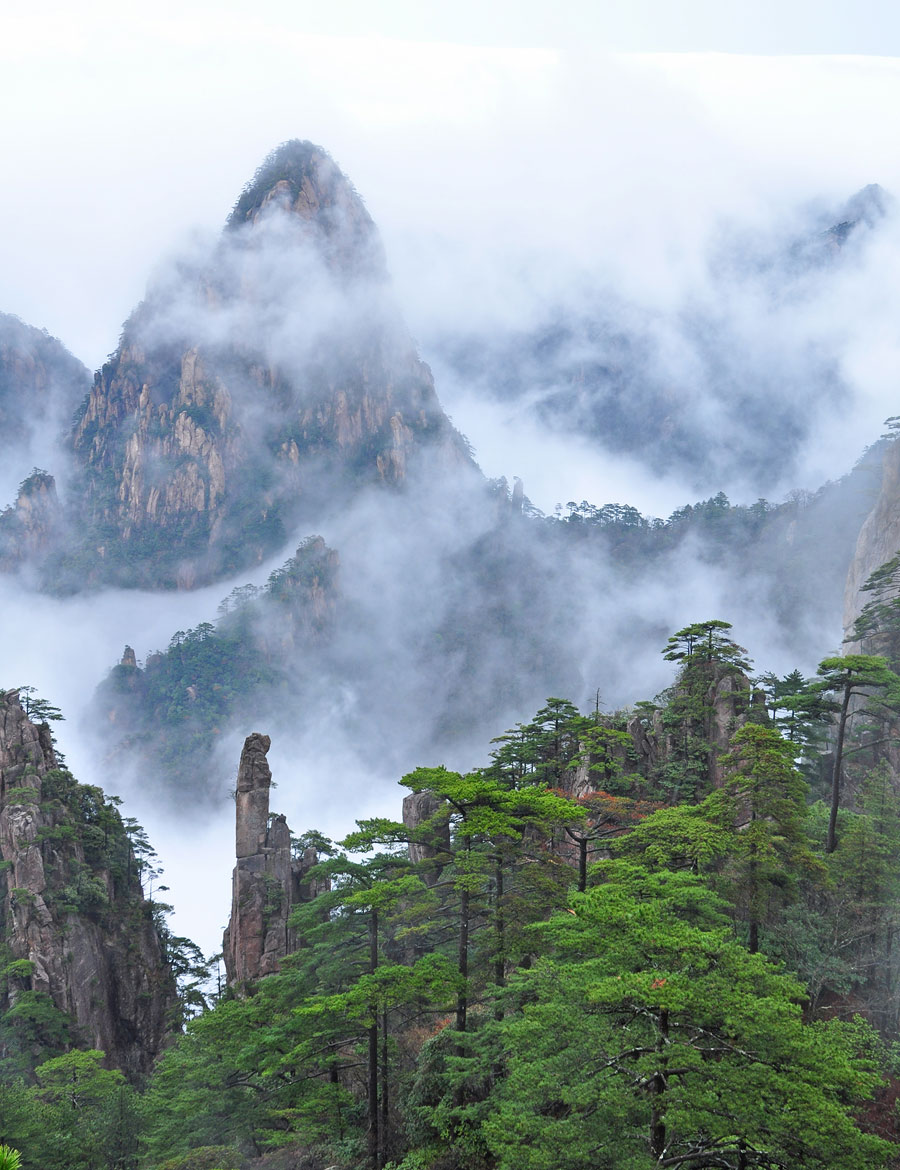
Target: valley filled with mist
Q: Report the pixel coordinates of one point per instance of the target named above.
(441, 604)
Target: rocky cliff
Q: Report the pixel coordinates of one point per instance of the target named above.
(29, 529)
(82, 961)
(712, 705)
(41, 384)
(268, 880)
(879, 537)
(271, 376)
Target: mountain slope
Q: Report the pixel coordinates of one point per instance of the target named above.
(82, 960)
(257, 382)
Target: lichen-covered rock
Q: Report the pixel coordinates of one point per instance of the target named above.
(71, 905)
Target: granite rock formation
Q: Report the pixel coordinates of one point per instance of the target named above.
(41, 384)
(268, 880)
(252, 385)
(429, 833)
(74, 926)
(29, 529)
(879, 537)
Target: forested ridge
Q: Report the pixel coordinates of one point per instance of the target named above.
(170, 709)
(654, 937)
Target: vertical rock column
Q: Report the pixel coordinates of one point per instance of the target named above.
(258, 937)
(253, 784)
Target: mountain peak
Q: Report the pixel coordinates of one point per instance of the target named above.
(290, 167)
(302, 179)
(869, 205)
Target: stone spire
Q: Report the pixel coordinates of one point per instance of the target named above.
(267, 882)
(253, 784)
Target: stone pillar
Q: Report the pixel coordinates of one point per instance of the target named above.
(253, 783)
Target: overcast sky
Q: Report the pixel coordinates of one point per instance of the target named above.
(488, 139)
(127, 125)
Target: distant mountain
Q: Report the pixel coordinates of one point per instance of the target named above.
(432, 623)
(255, 384)
(268, 388)
(41, 384)
(720, 389)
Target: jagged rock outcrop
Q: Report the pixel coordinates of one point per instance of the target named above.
(266, 379)
(29, 529)
(41, 383)
(74, 927)
(429, 833)
(725, 700)
(268, 880)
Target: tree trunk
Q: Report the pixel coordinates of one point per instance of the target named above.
(463, 961)
(657, 1089)
(500, 926)
(753, 883)
(831, 840)
(374, 1142)
(385, 1104)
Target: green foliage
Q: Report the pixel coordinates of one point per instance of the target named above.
(77, 1116)
(878, 626)
(288, 163)
(466, 1009)
(32, 1027)
(706, 642)
(206, 1158)
(190, 690)
(856, 675)
(763, 802)
(707, 657)
(650, 1037)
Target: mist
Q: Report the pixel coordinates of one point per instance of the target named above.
(516, 191)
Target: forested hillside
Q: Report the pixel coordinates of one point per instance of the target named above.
(654, 937)
(495, 615)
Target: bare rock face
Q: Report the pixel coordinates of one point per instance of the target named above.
(251, 385)
(429, 833)
(879, 537)
(28, 530)
(72, 914)
(41, 383)
(268, 880)
(727, 703)
(254, 781)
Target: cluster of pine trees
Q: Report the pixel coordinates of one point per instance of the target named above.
(581, 955)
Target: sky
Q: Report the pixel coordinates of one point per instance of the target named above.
(504, 149)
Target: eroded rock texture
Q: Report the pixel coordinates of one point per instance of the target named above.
(269, 877)
(252, 384)
(878, 542)
(74, 926)
(29, 528)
